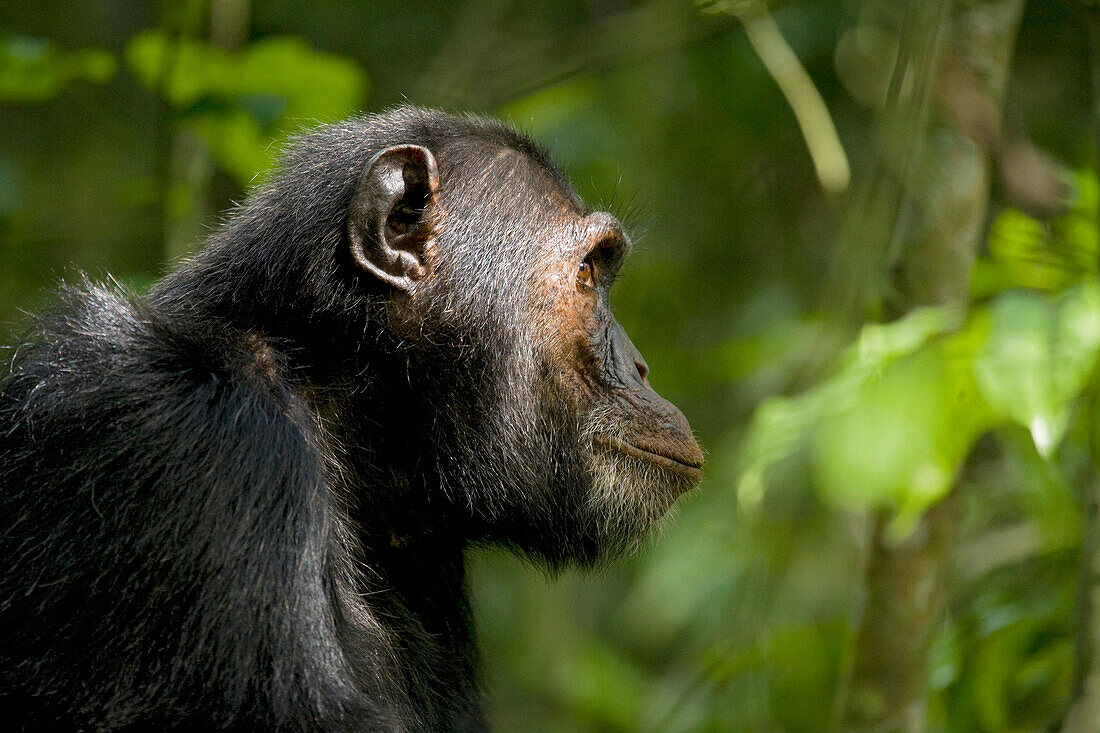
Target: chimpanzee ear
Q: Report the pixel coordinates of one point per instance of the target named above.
(390, 220)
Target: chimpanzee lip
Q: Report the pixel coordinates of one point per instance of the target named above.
(648, 455)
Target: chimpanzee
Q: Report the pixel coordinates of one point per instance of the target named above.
(241, 501)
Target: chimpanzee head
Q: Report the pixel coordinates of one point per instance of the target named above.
(444, 268)
(532, 408)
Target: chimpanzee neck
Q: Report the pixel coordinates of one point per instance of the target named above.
(412, 570)
(418, 595)
(407, 543)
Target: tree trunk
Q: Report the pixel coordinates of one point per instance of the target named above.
(924, 214)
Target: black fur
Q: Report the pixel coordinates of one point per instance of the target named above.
(241, 501)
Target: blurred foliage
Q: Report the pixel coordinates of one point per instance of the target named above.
(739, 615)
(1024, 357)
(33, 70)
(240, 102)
(1042, 255)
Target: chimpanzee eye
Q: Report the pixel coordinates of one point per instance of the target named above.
(586, 274)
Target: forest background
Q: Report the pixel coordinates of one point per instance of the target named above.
(866, 269)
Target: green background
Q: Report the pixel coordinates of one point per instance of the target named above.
(127, 130)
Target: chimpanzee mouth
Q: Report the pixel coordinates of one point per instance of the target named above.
(686, 467)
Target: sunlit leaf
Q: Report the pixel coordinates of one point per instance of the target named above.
(1039, 354)
(34, 70)
(892, 427)
(782, 424)
(240, 102)
(1041, 255)
(902, 440)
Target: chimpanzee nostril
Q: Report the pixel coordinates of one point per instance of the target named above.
(643, 371)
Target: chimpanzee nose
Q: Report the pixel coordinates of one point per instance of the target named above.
(628, 360)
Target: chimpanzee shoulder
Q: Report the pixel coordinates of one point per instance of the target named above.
(173, 485)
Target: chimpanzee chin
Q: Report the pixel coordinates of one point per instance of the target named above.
(241, 501)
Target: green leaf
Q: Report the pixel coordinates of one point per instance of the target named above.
(34, 70)
(782, 425)
(1041, 255)
(240, 102)
(902, 440)
(1038, 356)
